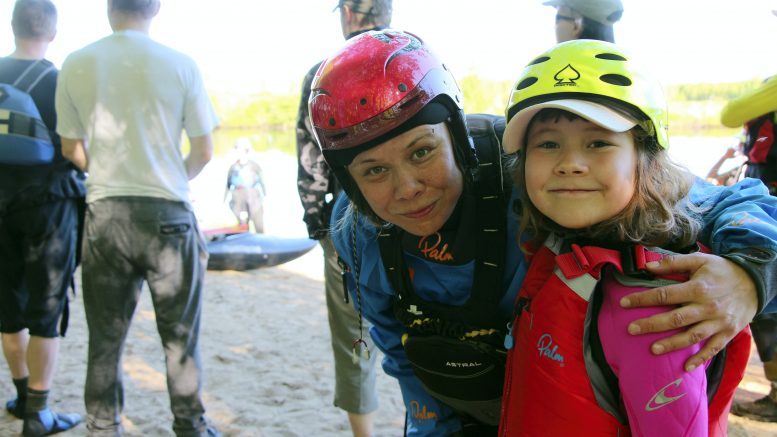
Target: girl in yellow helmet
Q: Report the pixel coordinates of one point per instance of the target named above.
(601, 198)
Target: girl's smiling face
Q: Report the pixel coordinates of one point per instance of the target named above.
(579, 174)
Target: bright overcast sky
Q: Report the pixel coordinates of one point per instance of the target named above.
(252, 45)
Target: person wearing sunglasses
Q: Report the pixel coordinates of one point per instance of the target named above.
(586, 19)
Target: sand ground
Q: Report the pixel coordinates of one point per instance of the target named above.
(268, 365)
(267, 357)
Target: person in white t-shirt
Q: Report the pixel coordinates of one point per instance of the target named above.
(122, 104)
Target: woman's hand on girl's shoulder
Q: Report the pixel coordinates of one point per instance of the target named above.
(717, 302)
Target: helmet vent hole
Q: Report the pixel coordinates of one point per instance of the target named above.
(363, 101)
(611, 57)
(526, 83)
(332, 121)
(337, 137)
(402, 87)
(539, 60)
(409, 102)
(616, 79)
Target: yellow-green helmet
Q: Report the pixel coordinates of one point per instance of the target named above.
(596, 80)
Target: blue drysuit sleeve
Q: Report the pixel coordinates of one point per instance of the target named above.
(740, 223)
(357, 246)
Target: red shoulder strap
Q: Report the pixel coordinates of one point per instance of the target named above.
(630, 261)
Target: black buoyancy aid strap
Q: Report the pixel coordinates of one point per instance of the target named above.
(17, 123)
(491, 202)
(491, 218)
(33, 74)
(389, 241)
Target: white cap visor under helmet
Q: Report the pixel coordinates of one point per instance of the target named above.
(608, 118)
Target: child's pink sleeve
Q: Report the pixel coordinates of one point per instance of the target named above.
(659, 396)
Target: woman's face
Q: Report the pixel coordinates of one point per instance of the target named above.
(579, 174)
(411, 180)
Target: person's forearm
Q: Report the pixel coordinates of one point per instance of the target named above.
(713, 173)
(194, 163)
(200, 154)
(75, 152)
(79, 159)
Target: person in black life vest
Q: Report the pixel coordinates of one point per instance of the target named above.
(756, 110)
(427, 233)
(39, 221)
(318, 188)
(246, 186)
(586, 19)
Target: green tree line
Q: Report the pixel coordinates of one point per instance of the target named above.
(694, 109)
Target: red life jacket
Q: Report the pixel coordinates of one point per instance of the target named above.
(760, 150)
(566, 387)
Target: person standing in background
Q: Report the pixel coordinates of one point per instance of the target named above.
(246, 186)
(731, 176)
(122, 103)
(756, 111)
(318, 189)
(39, 210)
(586, 19)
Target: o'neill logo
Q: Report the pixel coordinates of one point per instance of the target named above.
(660, 399)
(548, 349)
(567, 76)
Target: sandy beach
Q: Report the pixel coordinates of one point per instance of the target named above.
(268, 367)
(265, 345)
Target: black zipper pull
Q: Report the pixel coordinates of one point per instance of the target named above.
(343, 271)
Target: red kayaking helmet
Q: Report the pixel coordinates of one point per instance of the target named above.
(380, 84)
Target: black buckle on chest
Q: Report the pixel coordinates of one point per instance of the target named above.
(633, 262)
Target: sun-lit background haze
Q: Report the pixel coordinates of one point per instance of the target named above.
(254, 45)
(253, 55)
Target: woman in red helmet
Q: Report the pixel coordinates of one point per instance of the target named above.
(428, 236)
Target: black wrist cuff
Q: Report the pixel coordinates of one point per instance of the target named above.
(761, 265)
